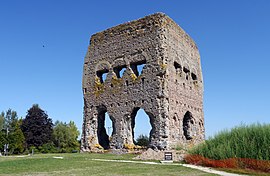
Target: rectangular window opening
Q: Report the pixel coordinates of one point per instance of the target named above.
(84, 90)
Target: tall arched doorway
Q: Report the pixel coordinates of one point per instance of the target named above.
(142, 124)
(103, 135)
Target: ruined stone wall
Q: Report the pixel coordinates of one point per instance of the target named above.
(156, 42)
(184, 87)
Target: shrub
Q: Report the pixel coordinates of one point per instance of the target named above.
(33, 149)
(254, 164)
(47, 148)
(251, 141)
(142, 140)
(243, 163)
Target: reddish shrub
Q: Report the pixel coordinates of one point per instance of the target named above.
(226, 163)
(244, 163)
(254, 164)
(231, 163)
(200, 160)
(196, 160)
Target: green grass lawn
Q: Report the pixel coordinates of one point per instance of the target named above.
(82, 164)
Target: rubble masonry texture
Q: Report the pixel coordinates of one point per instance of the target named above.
(169, 88)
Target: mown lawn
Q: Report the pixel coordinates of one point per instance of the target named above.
(82, 164)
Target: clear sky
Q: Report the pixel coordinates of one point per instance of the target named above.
(43, 44)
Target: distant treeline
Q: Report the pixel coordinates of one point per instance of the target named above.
(36, 132)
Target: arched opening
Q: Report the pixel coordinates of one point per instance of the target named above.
(137, 67)
(193, 76)
(142, 126)
(188, 124)
(177, 67)
(108, 125)
(119, 71)
(186, 70)
(140, 68)
(103, 135)
(102, 75)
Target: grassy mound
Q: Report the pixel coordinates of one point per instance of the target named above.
(244, 141)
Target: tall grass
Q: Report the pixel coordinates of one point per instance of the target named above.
(244, 141)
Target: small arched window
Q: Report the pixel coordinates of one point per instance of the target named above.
(194, 76)
(188, 123)
(177, 67)
(102, 75)
(119, 71)
(137, 67)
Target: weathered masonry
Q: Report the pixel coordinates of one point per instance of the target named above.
(169, 88)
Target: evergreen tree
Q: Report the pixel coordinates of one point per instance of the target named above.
(37, 127)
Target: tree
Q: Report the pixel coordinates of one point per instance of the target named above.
(37, 127)
(65, 136)
(142, 140)
(2, 120)
(10, 120)
(60, 134)
(2, 133)
(10, 132)
(17, 139)
(73, 135)
(3, 141)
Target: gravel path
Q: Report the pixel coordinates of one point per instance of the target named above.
(205, 169)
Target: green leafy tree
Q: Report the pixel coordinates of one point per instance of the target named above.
(2, 120)
(142, 140)
(10, 132)
(60, 134)
(17, 139)
(37, 127)
(65, 136)
(3, 141)
(2, 133)
(73, 135)
(10, 120)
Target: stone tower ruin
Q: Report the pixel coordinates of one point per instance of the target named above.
(169, 88)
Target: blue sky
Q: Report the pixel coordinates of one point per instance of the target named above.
(43, 44)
